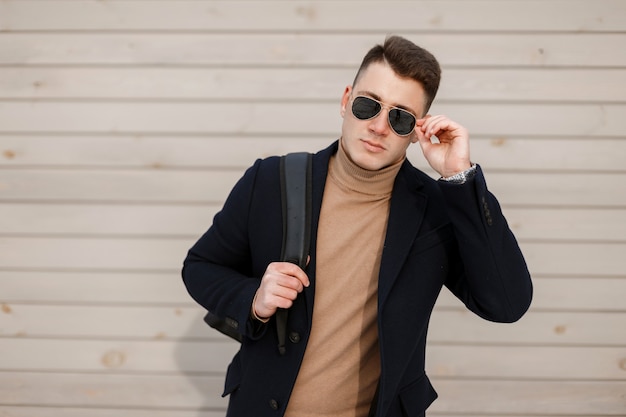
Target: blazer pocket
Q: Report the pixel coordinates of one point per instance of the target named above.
(233, 376)
(417, 396)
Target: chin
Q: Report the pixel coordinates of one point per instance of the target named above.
(369, 162)
(364, 159)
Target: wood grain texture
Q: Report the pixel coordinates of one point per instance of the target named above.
(504, 49)
(118, 151)
(242, 16)
(166, 255)
(454, 326)
(300, 83)
(192, 392)
(571, 293)
(124, 124)
(602, 225)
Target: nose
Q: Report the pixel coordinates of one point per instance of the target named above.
(379, 124)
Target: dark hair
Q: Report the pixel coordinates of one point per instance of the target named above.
(408, 61)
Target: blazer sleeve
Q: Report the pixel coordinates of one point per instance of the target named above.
(493, 279)
(217, 270)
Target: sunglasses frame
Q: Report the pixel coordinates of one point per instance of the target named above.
(383, 106)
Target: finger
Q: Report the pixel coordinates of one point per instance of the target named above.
(435, 125)
(283, 303)
(291, 269)
(274, 287)
(421, 121)
(290, 282)
(423, 140)
(284, 292)
(287, 275)
(265, 303)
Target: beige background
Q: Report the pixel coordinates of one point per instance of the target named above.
(123, 125)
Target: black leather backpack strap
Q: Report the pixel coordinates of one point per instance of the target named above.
(295, 178)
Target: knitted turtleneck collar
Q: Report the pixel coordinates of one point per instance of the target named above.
(351, 176)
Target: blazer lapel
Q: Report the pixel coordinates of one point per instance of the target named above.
(405, 216)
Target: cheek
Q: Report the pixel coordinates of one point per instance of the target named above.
(349, 125)
(400, 148)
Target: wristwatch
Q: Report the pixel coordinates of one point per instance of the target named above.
(461, 177)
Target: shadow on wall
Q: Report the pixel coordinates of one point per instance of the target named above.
(203, 355)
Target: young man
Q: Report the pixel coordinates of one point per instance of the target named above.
(385, 238)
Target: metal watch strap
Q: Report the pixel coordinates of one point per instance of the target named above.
(461, 177)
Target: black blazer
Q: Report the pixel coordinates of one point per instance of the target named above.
(438, 234)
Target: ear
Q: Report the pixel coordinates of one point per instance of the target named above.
(345, 99)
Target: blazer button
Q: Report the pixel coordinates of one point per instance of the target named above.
(294, 337)
(273, 404)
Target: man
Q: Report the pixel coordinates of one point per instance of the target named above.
(385, 239)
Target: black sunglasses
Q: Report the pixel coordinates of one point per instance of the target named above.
(401, 121)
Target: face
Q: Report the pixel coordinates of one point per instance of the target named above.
(372, 144)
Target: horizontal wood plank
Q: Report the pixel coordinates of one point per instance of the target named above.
(577, 398)
(106, 220)
(119, 186)
(12, 411)
(575, 258)
(563, 190)
(580, 328)
(156, 152)
(299, 118)
(535, 398)
(144, 254)
(567, 293)
(105, 322)
(212, 187)
(498, 397)
(21, 411)
(56, 355)
(303, 49)
(589, 294)
(114, 287)
(142, 220)
(570, 224)
(184, 83)
(182, 392)
(526, 362)
(242, 16)
(546, 154)
(94, 254)
(185, 323)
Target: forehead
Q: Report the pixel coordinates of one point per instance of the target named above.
(380, 80)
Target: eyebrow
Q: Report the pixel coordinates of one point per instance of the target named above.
(377, 97)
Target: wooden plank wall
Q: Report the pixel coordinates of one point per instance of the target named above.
(123, 124)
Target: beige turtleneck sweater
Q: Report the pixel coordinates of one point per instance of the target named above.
(341, 365)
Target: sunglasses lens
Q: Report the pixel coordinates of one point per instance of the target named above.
(401, 121)
(365, 108)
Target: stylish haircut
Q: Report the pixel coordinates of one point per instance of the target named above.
(408, 61)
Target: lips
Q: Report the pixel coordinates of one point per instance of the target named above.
(373, 146)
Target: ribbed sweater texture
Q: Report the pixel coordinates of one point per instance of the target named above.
(341, 365)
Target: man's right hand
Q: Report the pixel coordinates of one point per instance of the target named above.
(280, 285)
